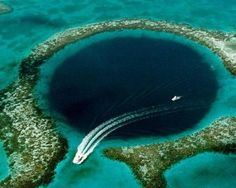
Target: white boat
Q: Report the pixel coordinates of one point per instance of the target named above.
(176, 98)
(79, 158)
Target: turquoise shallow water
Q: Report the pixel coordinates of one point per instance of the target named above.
(33, 21)
(204, 170)
(4, 170)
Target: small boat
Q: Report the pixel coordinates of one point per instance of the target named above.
(79, 158)
(176, 98)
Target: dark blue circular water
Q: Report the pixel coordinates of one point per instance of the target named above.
(114, 76)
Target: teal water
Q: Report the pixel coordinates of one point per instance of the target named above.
(33, 21)
(204, 170)
(4, 169)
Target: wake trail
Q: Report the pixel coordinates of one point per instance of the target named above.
(93, 138)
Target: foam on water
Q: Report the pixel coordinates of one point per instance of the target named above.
(95, 136)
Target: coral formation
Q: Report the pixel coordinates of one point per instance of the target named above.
(32, 144)
(149, 162)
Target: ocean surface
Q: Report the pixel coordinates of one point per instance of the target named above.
(33, 21)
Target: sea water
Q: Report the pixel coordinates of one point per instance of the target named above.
(123, 74)
(33, 21)
(204, 170)
(96, 161)
(4, 169)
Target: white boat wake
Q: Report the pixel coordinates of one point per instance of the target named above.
(93, 138)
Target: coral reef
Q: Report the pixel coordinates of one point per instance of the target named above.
(32, 144)
(149, 162)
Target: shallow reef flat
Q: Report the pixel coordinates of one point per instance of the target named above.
(4, 8)
(30, 140)
(149, 162)
(33, 145)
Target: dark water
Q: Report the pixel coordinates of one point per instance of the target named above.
(119, 75)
